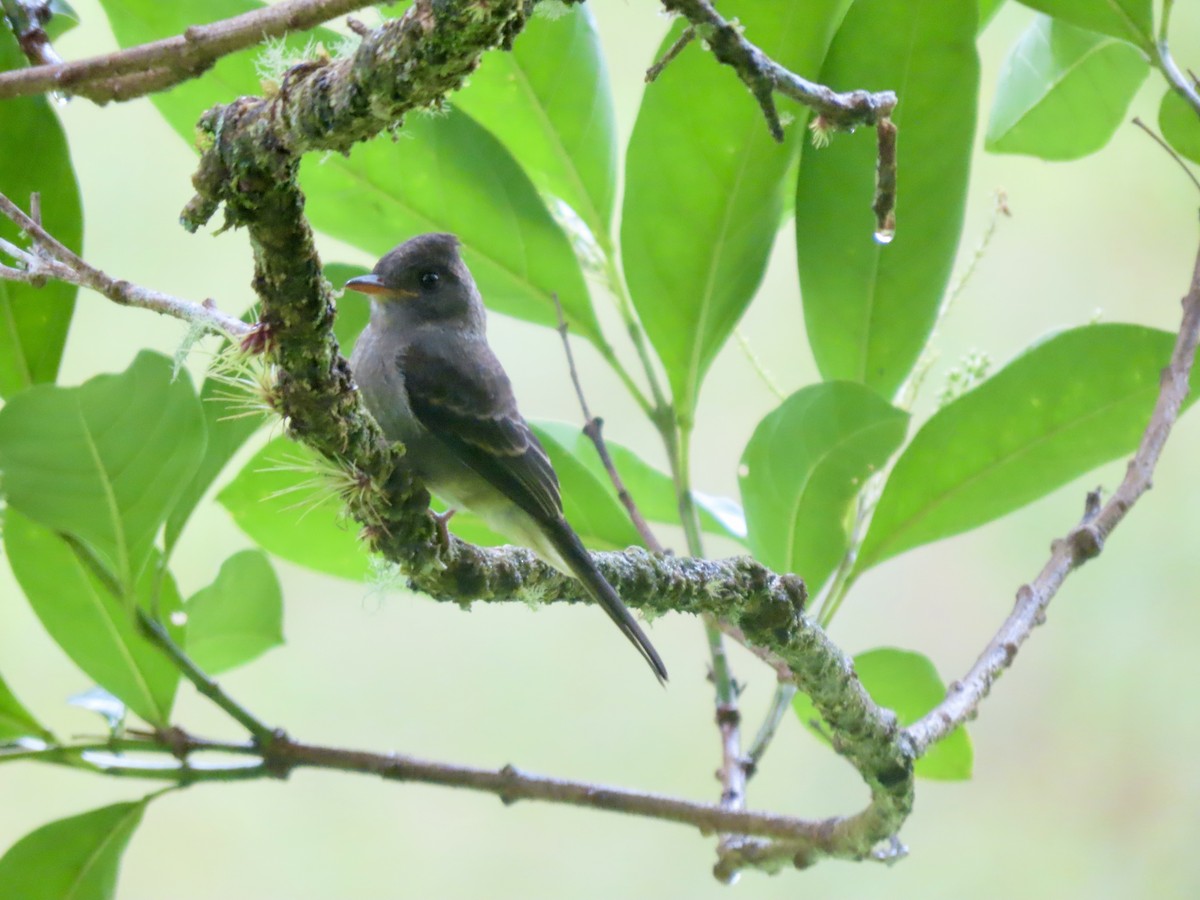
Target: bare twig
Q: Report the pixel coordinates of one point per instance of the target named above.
(733, 771)
(282, 756)
(593, 426)
(1169, 150)
(763, 76)
(685, 38)
(159, 64)
(884, 203)
(780, 704)
(50, 259)
(1081, 544)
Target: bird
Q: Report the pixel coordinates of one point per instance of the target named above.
(429, 378)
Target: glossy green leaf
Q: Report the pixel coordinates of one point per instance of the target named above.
(907, 683)
(703, 187)
(1130, 20)
(106, 461)
(652, 490)
(869, 308)
(549, 102)
(1063, 91)
(1180, 125)
(238, 617)
(15, 720)
(77, 858)
(94, 627)
(63, 18)
(803, 468)
(447, 173)
(280, 499)
(1070, 403)
(229, 421)
(34, 321)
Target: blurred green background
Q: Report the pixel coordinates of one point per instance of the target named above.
(1085, 780)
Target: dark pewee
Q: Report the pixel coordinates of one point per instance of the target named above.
(431, 381)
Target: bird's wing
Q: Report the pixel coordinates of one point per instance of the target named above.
(466, 400)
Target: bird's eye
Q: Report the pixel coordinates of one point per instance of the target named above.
(429, 279)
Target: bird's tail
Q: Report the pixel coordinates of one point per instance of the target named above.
(579, 561)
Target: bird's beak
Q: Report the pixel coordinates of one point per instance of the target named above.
(367, 284)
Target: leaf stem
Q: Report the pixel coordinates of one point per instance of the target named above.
(157, 635)
(780, 704)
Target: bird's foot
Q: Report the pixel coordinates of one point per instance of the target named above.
(440, 520)
(258, 339)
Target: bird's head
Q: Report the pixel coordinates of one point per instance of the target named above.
(423, 280)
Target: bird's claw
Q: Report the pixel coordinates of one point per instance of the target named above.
(258, 339)
(440, 520)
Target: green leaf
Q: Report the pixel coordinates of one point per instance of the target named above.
(1130, 20)
(1063, 91)
(803, 468)
(1055, 412)
(280, 500)
(238, 617)
(228, 425)
(93, 626)
(652, 490)
(106, 461)
(907, 683)
(72, 859)
(869, 309)
(62, 19)
(549, 103)
(15, 720)
(446, 173)
(34, 321)
(703, 188)
(1180, 125)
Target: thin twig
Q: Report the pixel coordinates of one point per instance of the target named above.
(593, 429)
(154, 631)
(685, 38)
(510, 784)
(161, 63)
(1081, 544)
(780, 704)
(763, 76)
(1168, 148)
(51, 259)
